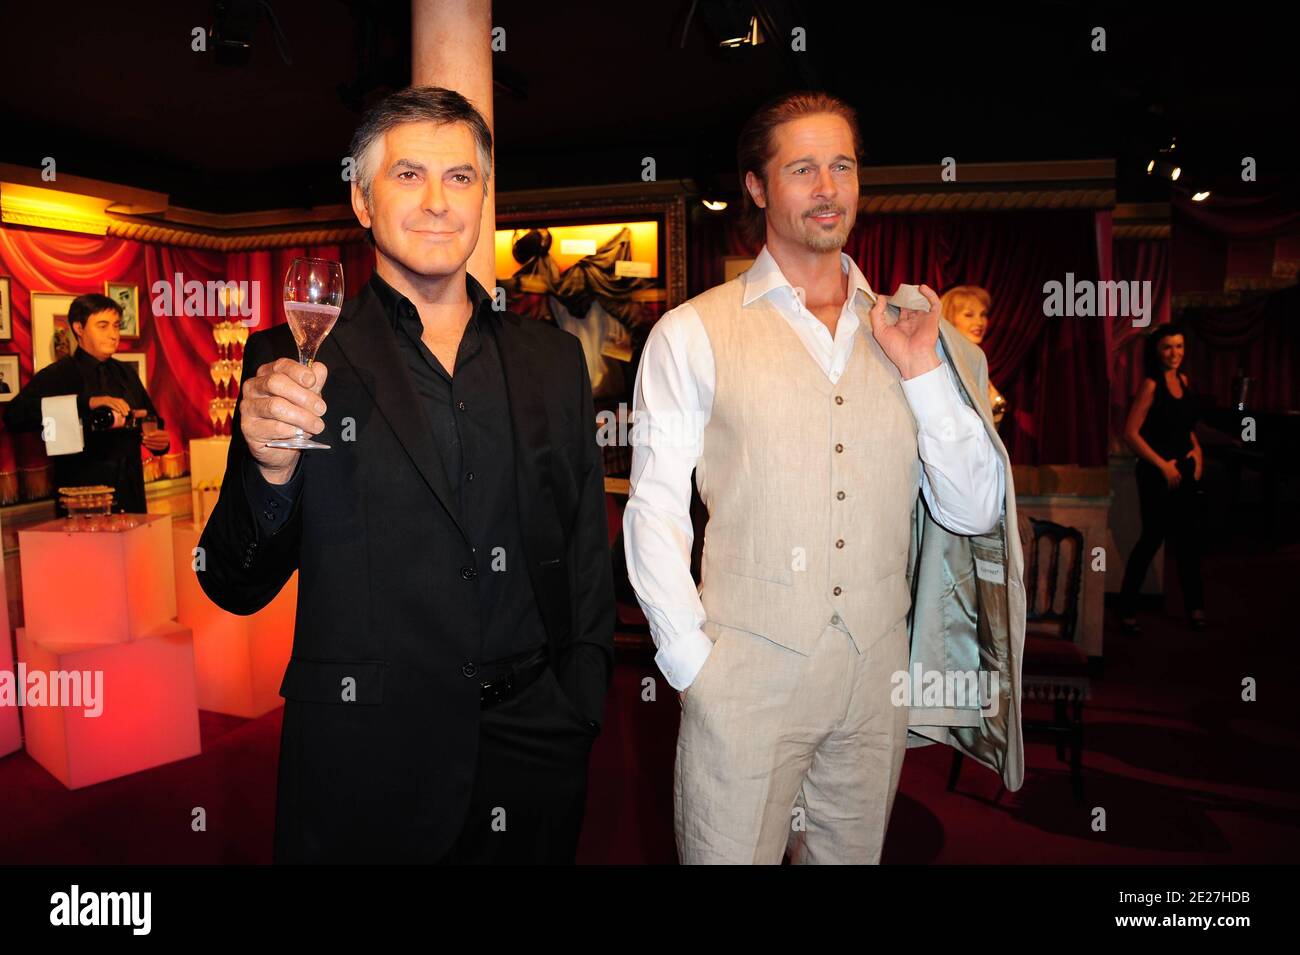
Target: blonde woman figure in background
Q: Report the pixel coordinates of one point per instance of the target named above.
(966, 308)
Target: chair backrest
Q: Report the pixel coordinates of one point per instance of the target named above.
(1052, 590)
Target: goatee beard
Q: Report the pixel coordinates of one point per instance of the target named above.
(825, 243)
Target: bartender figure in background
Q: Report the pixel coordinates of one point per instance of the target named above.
(112, 451)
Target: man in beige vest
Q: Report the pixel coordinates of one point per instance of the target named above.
(810, 418)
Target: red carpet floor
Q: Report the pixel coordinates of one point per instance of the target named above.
(1185, 770)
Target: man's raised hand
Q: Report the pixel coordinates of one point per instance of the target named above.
(910, 342)
(282, 397)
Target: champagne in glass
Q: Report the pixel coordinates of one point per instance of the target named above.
(313, 296)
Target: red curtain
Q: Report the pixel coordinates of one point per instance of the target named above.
(178, 348)
(1260, 337)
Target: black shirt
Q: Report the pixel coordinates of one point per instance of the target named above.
(469, 417)
(110, 457)
(1170, 421)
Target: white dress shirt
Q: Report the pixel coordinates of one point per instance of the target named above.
(961, 473)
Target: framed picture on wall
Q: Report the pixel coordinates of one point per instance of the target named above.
(601, 267)
(8, 377)
(137, 360)
(6, 325)
(127, 296)
(51, 336)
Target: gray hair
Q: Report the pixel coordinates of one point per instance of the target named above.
(417, 104)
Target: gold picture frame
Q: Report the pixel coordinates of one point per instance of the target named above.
(51, 336)
(128, 296)
(6, 312)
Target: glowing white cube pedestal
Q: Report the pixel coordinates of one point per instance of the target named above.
(207, 469)
(101, 587)
(148, 708)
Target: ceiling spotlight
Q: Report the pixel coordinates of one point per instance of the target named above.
(714, 205)
(1165, 169)
(1201, 196)
(751, 38)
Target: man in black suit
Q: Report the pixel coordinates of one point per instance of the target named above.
(454, 635)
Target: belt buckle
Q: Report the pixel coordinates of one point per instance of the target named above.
(497, 690)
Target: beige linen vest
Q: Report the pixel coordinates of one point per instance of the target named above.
(810, 486)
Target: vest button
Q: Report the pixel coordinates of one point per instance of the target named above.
(468, 573)
(837, 591)
(839, 449)
(836, 620)
(839, 399)
(839, 495)
(469, 669)
(839, 543)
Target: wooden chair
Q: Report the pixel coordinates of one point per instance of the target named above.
(1053, 668)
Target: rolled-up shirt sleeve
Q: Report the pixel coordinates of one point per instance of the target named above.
(962, 477)
(671, 402)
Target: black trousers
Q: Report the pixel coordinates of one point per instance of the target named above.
(1173, 515)
(530, 783)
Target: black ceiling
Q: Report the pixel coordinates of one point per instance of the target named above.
(586, 89)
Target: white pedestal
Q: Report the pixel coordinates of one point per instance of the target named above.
(207, 469)
(97, 587)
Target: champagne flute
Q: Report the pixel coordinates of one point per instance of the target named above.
(313, 296)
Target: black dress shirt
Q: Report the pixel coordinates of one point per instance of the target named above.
(110, 457)
(469, 418)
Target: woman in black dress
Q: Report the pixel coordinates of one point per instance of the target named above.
(1161, 432)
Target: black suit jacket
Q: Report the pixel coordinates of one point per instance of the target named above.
(380, 732)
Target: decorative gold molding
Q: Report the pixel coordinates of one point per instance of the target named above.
(986, 201)
(49, 208)
(1061, 172)
(1148, 231)
(1186, 300)
(1141, 220)
(1257, 283)
(169, 234)
(46, 219)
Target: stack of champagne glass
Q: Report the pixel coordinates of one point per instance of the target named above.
(225, 373)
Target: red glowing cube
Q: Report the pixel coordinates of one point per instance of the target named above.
(140, 711)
